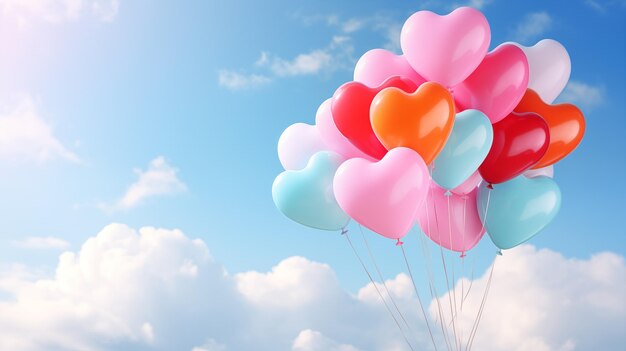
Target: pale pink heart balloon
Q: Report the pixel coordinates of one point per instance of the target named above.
(550, 68)
(497, 85)
(383, 196)
(332, 137)
(469, 185)
(376, 66)
(540, 172)
(445, 49)
(297, 144)
(451, 221)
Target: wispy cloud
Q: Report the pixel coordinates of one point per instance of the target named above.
(233, 80)
(336, 55)
(582, 94)
(26, 136)
(532, 26)
(477, 4)
(57, 11)
(159, 179)
(41, 242)
(603, 6)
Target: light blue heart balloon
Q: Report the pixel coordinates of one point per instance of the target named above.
(466, 148)
(306, 196)
(518, 209)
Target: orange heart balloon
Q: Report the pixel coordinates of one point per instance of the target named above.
(421, 121)
(565, 121)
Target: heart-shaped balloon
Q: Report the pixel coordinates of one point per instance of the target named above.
(297, 144)
(383, 196)
(469, 184)
(421, 121)
(519, 142)
(549, 68)
(378, 65)
(565, 121)
(466, 148)
(518, 209)
(306, 196)
(451, 220)
(497, 85)
(540, 172)
(331, 136)
(351, 112)
(445, 49)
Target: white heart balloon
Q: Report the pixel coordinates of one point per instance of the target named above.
(550, 68)
(540, 172)
(297, 144)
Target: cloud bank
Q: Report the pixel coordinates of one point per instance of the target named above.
(156, 289)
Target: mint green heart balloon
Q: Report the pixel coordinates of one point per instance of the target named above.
(466, 148)
(518, 209)
(306, 196)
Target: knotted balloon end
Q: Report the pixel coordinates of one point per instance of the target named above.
(399, 243)
(463, 255)
(489, 186)
(344, 231)
(499, 252)
(448, 193)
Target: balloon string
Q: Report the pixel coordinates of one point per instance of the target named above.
(463, 254)
(431, 278)
(456, 310)
(445, 270)
(380, 275)
(344, 232)
(475, 326)
(408, 267)
(482, 306)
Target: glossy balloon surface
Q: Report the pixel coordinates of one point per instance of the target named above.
(519, 142)
(351, 113)
(421, 121)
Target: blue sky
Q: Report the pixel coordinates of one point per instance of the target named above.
(168, 115)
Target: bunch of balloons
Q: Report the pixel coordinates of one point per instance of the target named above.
(447, 136)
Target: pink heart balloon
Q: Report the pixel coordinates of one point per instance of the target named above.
(376, 66)
(445, 49)
(469, 185)
(331, 136)
(383, 196)
(456, 227)
(497, 85)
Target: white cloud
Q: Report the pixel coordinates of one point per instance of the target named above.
(42, 242)
(532, 26)
(311, 340)
(105, 10)
(159, 179)
(352, 25)
(238, 81)
(583, 94)
(337, 55)
(541, 301)
(477, 4)
(303, 64)
(131, 290)
(25, 136)
(211, 345)
(56, 11)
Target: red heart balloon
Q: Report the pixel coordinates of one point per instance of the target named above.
(351, 112)
(519, 142)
